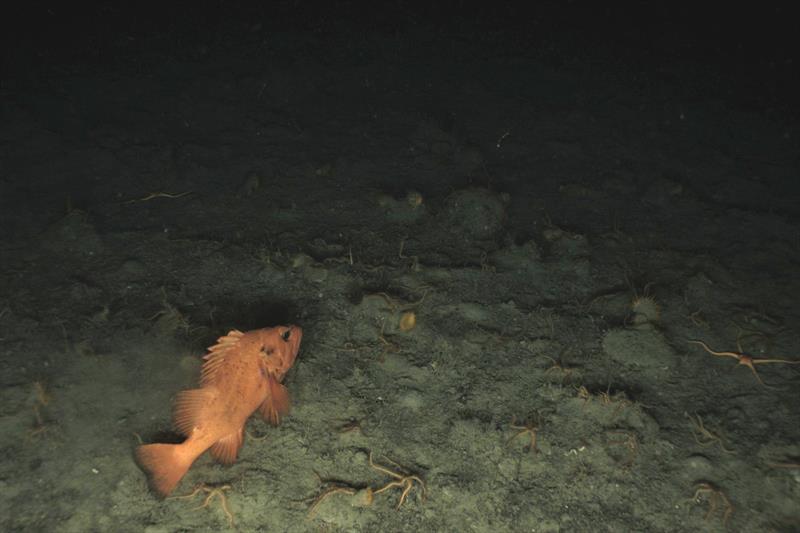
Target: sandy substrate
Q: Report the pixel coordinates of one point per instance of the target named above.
(559, 232)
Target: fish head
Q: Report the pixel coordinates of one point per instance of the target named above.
(279, 347)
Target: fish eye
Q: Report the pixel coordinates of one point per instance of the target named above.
(285, 335)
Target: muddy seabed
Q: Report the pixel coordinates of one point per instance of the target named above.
(498, 259)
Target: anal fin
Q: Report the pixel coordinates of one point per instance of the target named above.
(226, 449)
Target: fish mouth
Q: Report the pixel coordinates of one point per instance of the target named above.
(286, 352)
(295, 337)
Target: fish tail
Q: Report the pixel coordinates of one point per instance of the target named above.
(164, 464)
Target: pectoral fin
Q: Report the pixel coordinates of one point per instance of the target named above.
(276, 404)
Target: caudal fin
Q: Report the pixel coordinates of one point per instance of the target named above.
(164, 464)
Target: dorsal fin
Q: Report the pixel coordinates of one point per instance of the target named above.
(188, 411)
(216, 356)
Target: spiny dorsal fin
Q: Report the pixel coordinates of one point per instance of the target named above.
(216, 356)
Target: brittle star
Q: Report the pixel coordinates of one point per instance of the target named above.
(744, 359)
(367, 493)
(158, 195)
(530, 427)
(716, 499)
(211, 491)
(400, 480)
(335, 488)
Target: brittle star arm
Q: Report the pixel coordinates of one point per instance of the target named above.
(406, 481)
(744, 359)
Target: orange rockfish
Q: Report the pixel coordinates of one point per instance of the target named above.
(242, 372)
